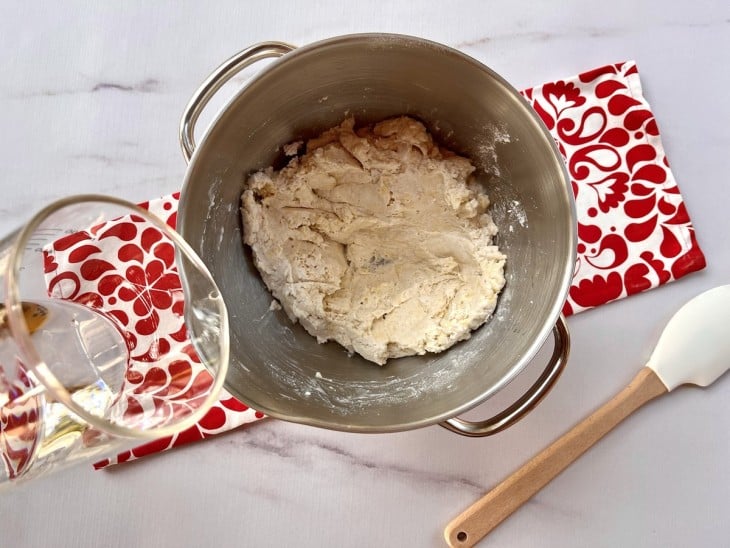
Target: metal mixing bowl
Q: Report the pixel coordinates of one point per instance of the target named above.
(276, 367)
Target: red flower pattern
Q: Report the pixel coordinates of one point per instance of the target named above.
(127, 269)
(633, 229)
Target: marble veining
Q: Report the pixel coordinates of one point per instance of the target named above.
(109, 160)
(148, 85)
(301, 448)
(581, 32)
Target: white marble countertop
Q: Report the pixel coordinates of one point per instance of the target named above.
(90, 100)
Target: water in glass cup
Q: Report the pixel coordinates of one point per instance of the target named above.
(65, 362)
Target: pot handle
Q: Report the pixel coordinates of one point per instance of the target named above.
(215, 81)
(529, 399)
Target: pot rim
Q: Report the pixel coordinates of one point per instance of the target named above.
(384, 40)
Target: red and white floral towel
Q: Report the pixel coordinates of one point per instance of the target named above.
(127, 269)
(633, 228)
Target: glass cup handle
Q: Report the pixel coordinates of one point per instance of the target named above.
(215, 81)
(529, 399)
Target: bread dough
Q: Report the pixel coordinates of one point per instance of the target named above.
(377, 239)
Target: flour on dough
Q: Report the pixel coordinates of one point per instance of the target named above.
(377, 239)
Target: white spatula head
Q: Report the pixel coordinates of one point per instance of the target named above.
(695, 345)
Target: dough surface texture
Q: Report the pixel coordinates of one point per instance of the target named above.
(377, 239)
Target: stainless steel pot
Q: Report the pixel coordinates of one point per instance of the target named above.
(277, 367)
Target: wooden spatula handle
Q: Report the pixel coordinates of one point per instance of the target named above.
(489, 511)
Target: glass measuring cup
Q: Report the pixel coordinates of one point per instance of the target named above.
(102, 344)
